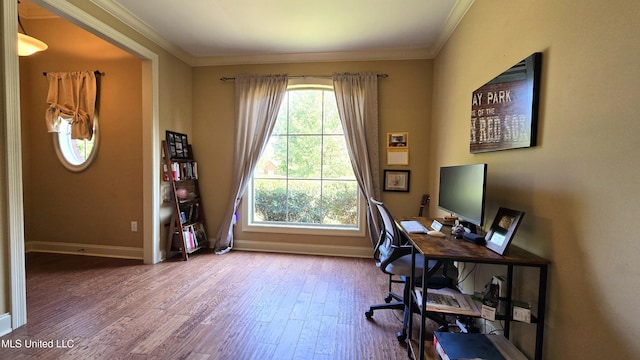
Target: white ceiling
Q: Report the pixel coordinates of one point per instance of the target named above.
(210, 32)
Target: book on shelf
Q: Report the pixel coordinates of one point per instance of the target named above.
(189, 213)
(452, 346)
(194, 212)
(189, 242)
(199, 233)
(181, 171)
(194, 236)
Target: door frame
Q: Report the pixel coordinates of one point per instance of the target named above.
(13, 188)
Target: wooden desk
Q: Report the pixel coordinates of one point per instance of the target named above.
(450, 248)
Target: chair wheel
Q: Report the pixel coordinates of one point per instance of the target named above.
(401, 336)
(369, 314)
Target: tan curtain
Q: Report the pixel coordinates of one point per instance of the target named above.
(72, 95)
(258, 100)
(357, 98)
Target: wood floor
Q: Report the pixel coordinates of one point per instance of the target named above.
(241, 305)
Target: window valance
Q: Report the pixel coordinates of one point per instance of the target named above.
(72, 96)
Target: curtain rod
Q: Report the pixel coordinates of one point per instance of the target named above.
(380, 76)
(97, 72)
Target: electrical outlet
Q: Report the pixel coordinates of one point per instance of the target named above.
(134, 226)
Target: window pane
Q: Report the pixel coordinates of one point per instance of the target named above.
(75, 154)
(281, 122)
(332, 123)
(270, 200)
(304, 204)
(305, 157)
(336, 163)
(340, 202)
(305, 112)
(273, 162)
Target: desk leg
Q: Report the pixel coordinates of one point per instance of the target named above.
(423, 307)
(412, 287)
(508, 312)
(542, 299)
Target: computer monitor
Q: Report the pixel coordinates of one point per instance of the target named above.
(462, 193)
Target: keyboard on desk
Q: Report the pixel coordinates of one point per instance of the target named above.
(413, 226)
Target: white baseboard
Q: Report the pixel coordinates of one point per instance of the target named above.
(5, 324)
(243, 245)
(122, 252)
(308, 249)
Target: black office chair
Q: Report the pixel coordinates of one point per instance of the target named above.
(393, 257)
(375, 233)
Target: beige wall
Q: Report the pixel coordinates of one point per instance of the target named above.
(97, 205)
(404, 105)
(578, 187)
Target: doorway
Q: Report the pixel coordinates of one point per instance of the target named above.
(149, 144)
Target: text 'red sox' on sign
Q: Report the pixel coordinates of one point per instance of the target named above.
(504, 111)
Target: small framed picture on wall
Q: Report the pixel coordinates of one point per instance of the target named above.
(396, 180)
(398, 140)
(178, 145)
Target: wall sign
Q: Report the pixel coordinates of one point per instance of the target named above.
(504, 111)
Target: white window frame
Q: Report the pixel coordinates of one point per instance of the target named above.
(63, 146)
(246, 221)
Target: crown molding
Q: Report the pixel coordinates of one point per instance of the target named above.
(453, 20)
(126, 17)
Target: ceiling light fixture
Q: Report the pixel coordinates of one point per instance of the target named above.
(28, 45)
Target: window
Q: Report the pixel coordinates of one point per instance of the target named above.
(75, 154)
(304, 179)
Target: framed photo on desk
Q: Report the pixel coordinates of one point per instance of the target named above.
(503, 229)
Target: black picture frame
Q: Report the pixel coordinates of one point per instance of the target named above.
(504, 111)
(178, 145)
(502, 230)
(396, 180)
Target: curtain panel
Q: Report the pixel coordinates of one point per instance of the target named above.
(357, 97)
(72, 95)
(258, 100)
